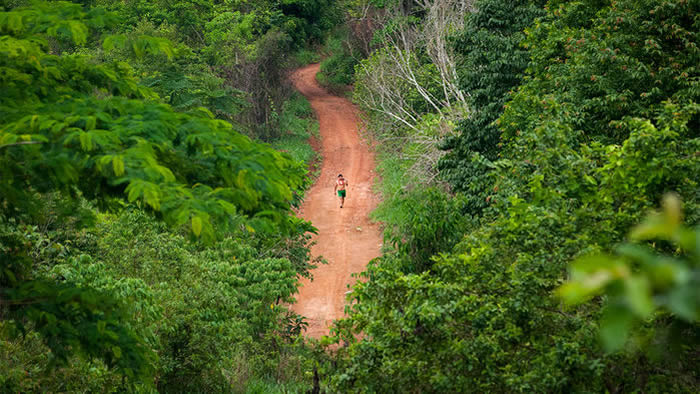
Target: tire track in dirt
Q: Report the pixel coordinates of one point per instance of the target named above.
(346, 238)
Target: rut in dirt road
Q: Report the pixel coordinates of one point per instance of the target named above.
(347, 238)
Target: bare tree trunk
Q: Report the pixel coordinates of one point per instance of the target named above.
(403, 91)
(401, 50)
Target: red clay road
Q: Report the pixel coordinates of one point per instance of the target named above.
(347, 238)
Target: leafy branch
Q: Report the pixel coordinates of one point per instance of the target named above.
(639, 283)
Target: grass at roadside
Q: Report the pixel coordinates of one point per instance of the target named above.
(265, 387)
(338, 65)
(298, 125)
(306, 56)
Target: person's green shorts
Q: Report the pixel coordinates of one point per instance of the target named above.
(341, 193)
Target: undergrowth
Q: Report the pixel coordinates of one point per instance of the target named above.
(297, 125)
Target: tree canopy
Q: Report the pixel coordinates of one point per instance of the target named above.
(108, 117)
(583, 116)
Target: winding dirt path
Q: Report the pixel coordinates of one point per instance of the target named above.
(347, 238)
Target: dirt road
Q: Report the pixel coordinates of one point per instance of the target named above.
(346, 237)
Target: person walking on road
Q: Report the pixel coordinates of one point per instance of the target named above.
(340, 185)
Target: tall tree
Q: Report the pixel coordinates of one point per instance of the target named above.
(492, 64)
(602, 126)
(89, 130)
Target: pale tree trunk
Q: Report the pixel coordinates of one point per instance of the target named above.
(445, 17)
(394, 71)
(401, 47)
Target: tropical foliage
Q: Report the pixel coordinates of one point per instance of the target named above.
(582, 116)
(146, 243)
(492, 63)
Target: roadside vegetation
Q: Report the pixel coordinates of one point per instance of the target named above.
(147, 239)
(521, 149)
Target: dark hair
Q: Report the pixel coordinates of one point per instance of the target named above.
(340, 175)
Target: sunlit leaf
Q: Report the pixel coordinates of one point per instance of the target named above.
(638, 295)
(197, 225)
(615, 326)
(118, 165)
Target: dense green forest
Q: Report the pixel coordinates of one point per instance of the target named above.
(517, 140)
(147, 238)
(539, 166)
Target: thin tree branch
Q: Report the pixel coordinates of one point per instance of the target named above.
(21, 143)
